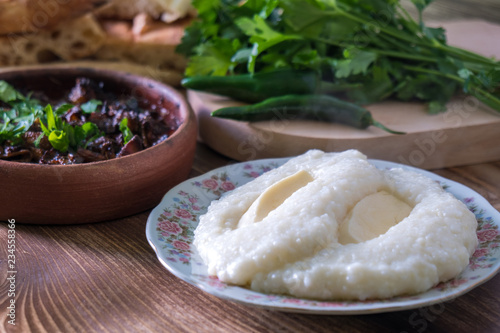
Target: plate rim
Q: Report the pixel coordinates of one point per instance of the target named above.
(384, 305)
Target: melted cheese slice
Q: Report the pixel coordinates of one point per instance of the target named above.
(273, 197)
(371, 217)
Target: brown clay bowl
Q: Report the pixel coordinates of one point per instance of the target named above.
(98, 191)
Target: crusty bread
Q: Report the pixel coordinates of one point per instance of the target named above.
(152, 44)
(166, 10)
(142, 45)
(23, 16)
(75, 39)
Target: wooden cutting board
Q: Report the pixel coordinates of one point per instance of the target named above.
(467, 133)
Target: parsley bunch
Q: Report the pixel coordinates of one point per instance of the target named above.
(373, 48)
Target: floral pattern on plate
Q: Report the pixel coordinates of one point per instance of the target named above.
(170, 231)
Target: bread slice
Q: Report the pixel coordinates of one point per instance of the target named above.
(75, 39)
(143, 46)
(24, 16)
(146, 42)
(165, 10)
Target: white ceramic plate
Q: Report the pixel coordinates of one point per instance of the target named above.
(170, 228)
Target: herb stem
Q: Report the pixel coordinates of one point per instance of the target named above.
(397, 44)
(487, 98)
(328, 41)
(434, 72)
(390, 31)
(402, 55)
(465, 55)
(327, 87)
(395, 54)
(406, 16)
(481, 94)
(462, 54)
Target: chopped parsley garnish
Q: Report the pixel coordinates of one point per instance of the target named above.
(22, 111)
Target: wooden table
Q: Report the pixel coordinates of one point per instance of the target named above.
(105, 277)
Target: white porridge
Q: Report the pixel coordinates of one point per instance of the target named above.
(333, 226)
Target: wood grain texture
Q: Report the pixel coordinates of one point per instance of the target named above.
(105, 277)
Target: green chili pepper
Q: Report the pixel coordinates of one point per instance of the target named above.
(258, 87)
(313, 107)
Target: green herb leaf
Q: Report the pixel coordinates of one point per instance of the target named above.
(421, 4)
(126, 132)
(59, 140)
(19, 118)
(24, 111)
(37, 140)
(435, 107)
(91, 131)
(90, 106)
(52, 121)
(8, 93)
(63, 136)
(213, 59)
(45, 130)
(356, 62)
(300, 14)
(192, 37)
(262, 37)
(63, 109)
